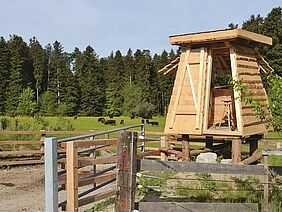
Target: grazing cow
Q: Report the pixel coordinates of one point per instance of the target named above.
(142, 121)
(147, 121)
(101, 119)
(110, 122)
(132, 116)
(121, 122)
(111, 116)
(154, 123)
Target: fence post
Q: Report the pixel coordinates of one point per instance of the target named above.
(236, 151)
(42, 138)
(164, 144)
(72, 177)
(126, 172)
(51, 174)
(185, 148)
(265, 178)
(143, 136)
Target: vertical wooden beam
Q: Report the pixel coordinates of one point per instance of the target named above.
(236, 150)
(72, 177)
(208, 91)
(164, 144)
(237, 99)
(185, 148)
(201, 86)
(126, 175)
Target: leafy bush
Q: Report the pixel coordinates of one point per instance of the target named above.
(274, 91)
(145, 110)
(4, 123)
(62, 124)
(27, 105)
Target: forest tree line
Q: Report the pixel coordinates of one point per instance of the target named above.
(49, 81)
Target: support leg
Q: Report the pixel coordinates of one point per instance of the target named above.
(236, 150)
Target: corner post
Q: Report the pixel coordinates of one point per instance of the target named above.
(236, 150)
(126, 172)
(51, 174)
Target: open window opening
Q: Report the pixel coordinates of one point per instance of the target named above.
(222, 114)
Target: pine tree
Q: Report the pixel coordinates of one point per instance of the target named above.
(91, 83)
(37, 56)
(4, 73)
(27, 105)
(20, 76)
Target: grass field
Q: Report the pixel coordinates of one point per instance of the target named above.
(81, 123)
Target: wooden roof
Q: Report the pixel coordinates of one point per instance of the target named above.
(219, 35)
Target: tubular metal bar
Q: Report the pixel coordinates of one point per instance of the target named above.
(92, 148)
(88, 191)
(100, 172)
(97, 133)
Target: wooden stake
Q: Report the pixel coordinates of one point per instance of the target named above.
(126, 176)
(164, 144)
(72, 177)
(185, 148)
(236, 151)
(265, 179)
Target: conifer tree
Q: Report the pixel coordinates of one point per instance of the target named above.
(4, 73)
(91, 83)
(37, 56)
(20, 75)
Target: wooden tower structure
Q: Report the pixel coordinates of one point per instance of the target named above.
(203, 102)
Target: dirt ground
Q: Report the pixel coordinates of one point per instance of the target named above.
(22, 189)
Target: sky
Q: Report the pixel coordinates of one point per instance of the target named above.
(119, 25)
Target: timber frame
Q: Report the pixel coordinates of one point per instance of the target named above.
(201, 104)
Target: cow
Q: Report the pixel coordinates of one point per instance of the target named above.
(121, 122)
(142, 121)
(147, 121)
(110, 122)
(132, 116)
(154, 123)
(101, 119)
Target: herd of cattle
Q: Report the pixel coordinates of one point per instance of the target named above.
(113, 122)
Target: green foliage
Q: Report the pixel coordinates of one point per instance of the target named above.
(274, 91)
(47, 104)
(27, 105)
(112, 104)
(4, 123)
(40, 123)
(132, 97)
(62, 123)
(145, 110)
(247, 97)
(102, 205)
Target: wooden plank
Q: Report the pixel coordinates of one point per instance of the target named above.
(196, 207)
(82, 162)
(237, 102)
(219, 35)
(148, 153)
(179, 88)
(25, 152)
(76, 132)
(208, 90)
(97, 180)
(201, 86)
(72, 177)
(20, 162)
(154, 165)
(185, 148)
(11, 142)
(96, 197)
(86, 143)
